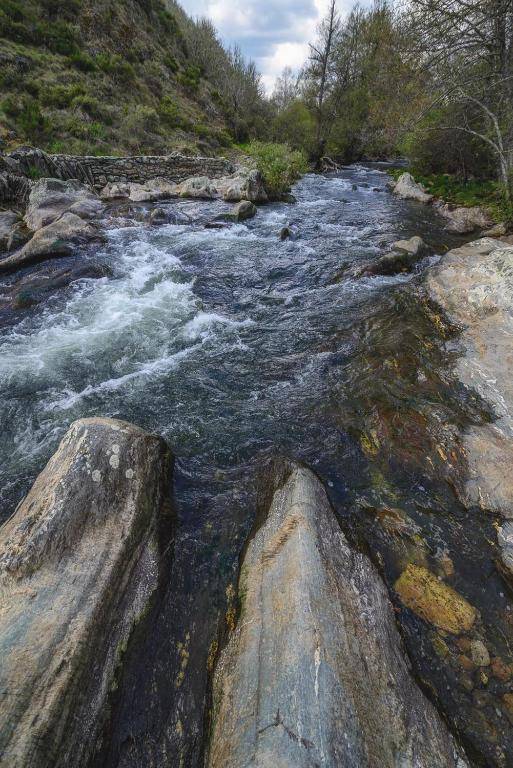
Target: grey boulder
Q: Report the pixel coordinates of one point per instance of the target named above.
(314, 673)
(54, 240)
(407, 188)
(50, 198)
(79, 565)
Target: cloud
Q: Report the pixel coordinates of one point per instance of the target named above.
(275, 34)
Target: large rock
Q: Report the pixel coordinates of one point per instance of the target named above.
(56, 239)
(314, 673)
(407, 188)
(404, 256)
(79, 565)
(151, 191)
(474, 285)
(240, 212)
(50, 198)
(464, 221)
(8, 220)
(244, 185)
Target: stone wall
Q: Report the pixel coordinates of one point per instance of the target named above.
(97, 171)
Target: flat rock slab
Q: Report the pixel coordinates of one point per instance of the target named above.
(314, 673)
(79, 564)
(474, 286)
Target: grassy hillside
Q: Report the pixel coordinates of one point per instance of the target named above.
(104, 77)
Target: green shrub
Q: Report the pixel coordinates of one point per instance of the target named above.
(280, 165)
(88, 104)
(60, 37)
(168, 22)
(27, 116)
(170, 62)
(169, 111)
(141, 119)
(115, 66)
(61, 96)
(82, 61)
(190, 77)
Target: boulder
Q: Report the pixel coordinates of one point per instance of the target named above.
(498, 230)
(8, 220)
(473, 284)
(50, 198)
(240, 212)
(245, 184)
(78, 569)
(150, 191)
(464, 221)
(198, 187)
(313, 672)
(56, 239)
(405, 254)
(407, 188)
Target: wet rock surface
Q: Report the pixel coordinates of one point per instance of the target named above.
(80, 562)
(474, 285)
(52, 241)
(314, 672)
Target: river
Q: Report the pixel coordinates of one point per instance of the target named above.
(236, 346)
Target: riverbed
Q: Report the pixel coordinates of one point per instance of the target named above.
(237, 347)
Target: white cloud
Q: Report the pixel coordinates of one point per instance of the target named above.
(274, 34)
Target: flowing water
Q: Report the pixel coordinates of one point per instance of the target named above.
(236, 346)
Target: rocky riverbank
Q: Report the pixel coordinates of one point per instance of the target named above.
(460, 220)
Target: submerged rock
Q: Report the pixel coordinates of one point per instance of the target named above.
(36, 288)
(434, 601)
(49, 199)
(79, 565)
(407, 188)
(313, 673)
(56, 239)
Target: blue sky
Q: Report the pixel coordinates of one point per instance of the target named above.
(274, 34)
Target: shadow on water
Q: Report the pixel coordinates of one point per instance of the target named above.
(236, 346)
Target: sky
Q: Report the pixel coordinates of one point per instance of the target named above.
(274, 33)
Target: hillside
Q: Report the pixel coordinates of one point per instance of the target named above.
(102, 77)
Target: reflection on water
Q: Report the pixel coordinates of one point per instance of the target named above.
(235, 346)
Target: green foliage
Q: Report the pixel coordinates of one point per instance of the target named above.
(61, 96)
(82, 61)
(142, 119)
(168, 22)
(115, 66)
(280, 165)
(169, 112)
(296, 125)
(171, 62)
(190, 77)
(25, 112)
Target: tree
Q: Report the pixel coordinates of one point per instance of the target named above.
(467, 46)
(321, 74)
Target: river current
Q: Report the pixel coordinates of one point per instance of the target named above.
(236, 346)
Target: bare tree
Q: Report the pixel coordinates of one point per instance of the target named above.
(321, 71)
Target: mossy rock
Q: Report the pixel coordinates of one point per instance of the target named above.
(434, 601)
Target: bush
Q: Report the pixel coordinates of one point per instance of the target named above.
(190, 77)
(114, 65)
(168, 22)
(25, 111)
(88, 104)
(60, 37)
(61, 96)
(170, 62)
(296, 126)
(169, 112)
(280, 165)
(142, 119)
(82, 61)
